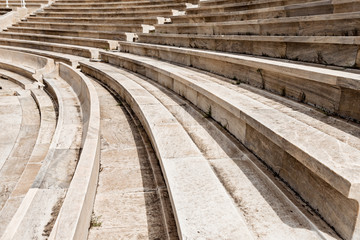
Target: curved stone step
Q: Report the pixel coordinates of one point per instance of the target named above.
(130, 177)
(29, 65)
(329, 50)
(129, 20)
(155, 13)
(51, 181)
(331, 90)
(190, 179)
(22, 152)
(40, 149)
(233, 165)
(116, 3)
(55, 47)
(75, 33)
(79, 27)
(59, 57)
(74, 217)
(342, 24)
(261, 128)
(313, 6)
(11, 116)
(120, 8)
(295, 10)
(88, 42)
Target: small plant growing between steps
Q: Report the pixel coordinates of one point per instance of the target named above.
(302, 97)
(95, 221)
(208, 113)
(283, 92)
(259, 70)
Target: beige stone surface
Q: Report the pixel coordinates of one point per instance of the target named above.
(127, 202)
(224, 98)
(188, 202)
(307, 51)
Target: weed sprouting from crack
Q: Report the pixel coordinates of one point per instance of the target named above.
(95, 221)
(208, 114)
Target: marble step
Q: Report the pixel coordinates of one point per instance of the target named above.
(85, 26)
(55, 47)
(341, 24)
(323, 162)
(340, 51)
(135, 8)
(154, 13)
(200, 203)
(117, 3)
(88, 42)
(332, 90)
(96, 35)
(130, 20)
(295, 10)
(258, 4)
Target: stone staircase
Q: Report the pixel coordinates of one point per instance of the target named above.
(219, 119)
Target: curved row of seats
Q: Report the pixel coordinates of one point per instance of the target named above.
(52, 171)
(301, 139)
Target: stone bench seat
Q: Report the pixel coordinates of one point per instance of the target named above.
(55, 47)
(31, 66)
(218, 2)
(306, 9)
(74, 33)
(342, 24)
(284, 78)
(194, 189)
(89, 42)
(100, 1)
(18, 4)
(333, 163)
(58, 57)
(86, 26)
(258, 4)
(118, 3)
(155, 13)
(53, 182)
(21, 80)
(329, 50)
(129, 20)
(40, 148)
(178, 6)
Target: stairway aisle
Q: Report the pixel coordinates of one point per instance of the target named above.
(131, 201)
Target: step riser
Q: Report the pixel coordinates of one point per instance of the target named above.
(99, 15)
(82, 27)
(216, 3)
(344, 55)
(110, 36)
(275, 13)
(77, 52)
(245, 7)
(95, 21)
(87, 43)
(345, 27)
(115, 9)
(117, 4)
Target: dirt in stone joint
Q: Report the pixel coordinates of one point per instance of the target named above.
(55, 212)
